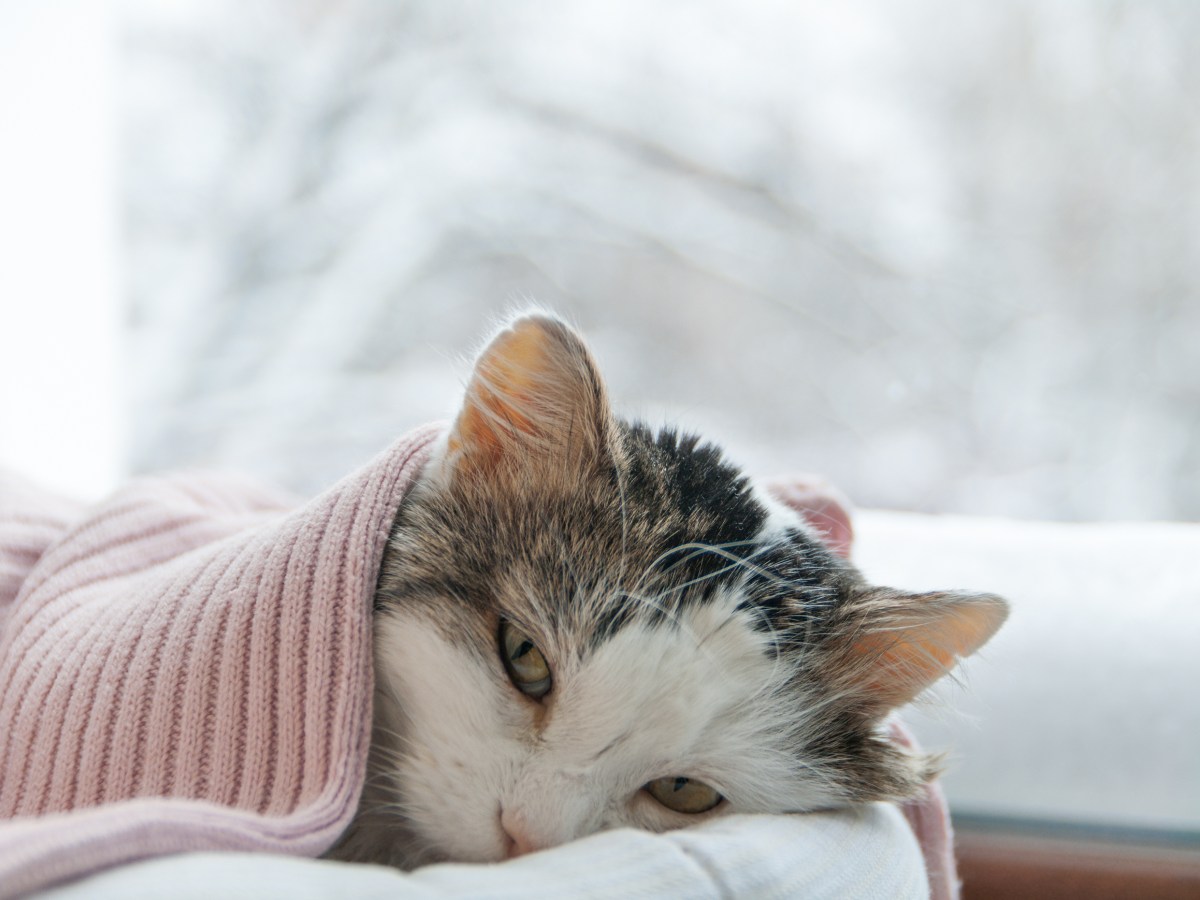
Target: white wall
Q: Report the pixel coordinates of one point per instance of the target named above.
(60, 415)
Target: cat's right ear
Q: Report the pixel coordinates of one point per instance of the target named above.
(896, 644)
(535, 402)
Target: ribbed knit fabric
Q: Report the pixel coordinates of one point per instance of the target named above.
(929, 818)
(186, 666)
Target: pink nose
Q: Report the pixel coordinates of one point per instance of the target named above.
(517, 841)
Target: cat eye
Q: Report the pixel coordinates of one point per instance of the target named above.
(524, 661)
(683, 795)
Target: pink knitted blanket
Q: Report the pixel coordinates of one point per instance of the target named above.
(187, 666)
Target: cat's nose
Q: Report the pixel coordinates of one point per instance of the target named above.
(516, 834)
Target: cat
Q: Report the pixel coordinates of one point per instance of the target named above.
(582, 623)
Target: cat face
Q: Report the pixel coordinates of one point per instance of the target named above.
(582, 624)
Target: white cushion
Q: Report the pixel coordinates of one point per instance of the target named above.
(863, 854)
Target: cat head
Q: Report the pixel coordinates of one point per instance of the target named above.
(584, 624)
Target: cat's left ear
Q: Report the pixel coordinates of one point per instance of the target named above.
(535, 401)
(900, 643)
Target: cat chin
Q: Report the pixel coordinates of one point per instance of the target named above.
(428, 796)
(384, 834)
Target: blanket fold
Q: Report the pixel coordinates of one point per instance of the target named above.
(186, 666)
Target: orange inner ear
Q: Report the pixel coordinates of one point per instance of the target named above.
(903, 661)
(901, 667)
(500, 395)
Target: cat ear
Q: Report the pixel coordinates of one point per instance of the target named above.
(906, 642)
(535, 395)
(822, 506)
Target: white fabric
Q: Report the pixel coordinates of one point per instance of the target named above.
(1083, 707)
(864, 854)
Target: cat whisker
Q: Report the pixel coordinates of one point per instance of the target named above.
(700, 550)
(736, 561)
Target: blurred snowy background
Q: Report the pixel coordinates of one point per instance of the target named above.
(947, 254)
